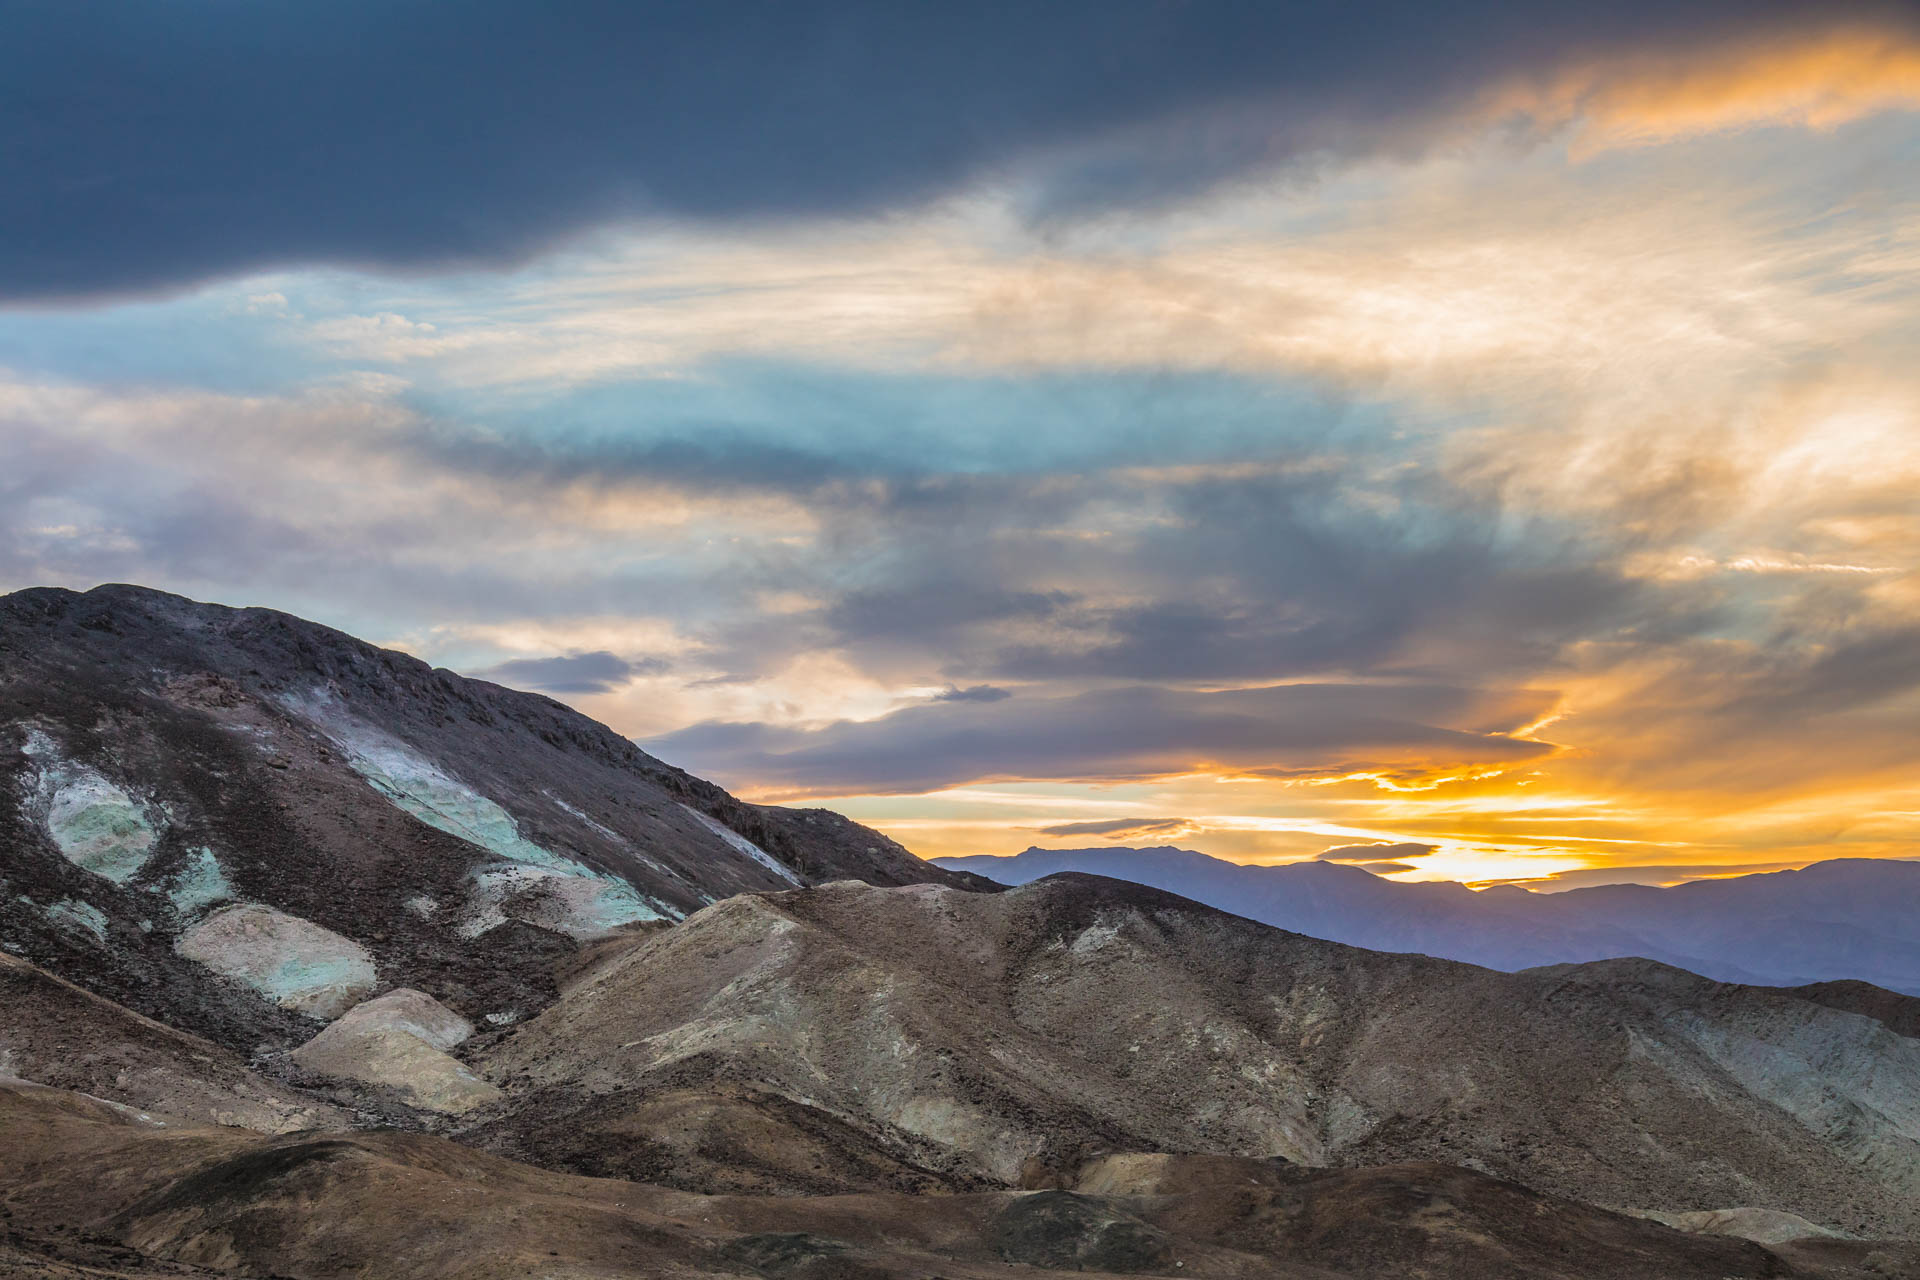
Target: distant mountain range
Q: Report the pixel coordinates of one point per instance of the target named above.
(1850, 918)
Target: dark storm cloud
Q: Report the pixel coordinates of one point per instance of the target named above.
(1319, 563)
(1122, 827)
(1268, 576)
(928, 608)
(156, 144)
(1117, 734)
(600, 672)
(1369, 852)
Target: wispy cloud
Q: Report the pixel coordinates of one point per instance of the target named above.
(1124, 828)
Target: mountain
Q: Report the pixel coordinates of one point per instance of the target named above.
(241, 823)
(1842, 919)
(317, 962)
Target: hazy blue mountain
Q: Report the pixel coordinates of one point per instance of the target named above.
(1848, 918)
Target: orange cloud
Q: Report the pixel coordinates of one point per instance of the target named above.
(1815, 82)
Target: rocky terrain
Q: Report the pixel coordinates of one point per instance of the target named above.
(1844, 919)
(318, 962)
(206, 806)
(401, 1204)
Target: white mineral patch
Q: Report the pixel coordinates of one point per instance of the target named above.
(740, 844)
(604, 832)
(1094, 937)
(293, 962)
(423, 906)
(611, 836)
(96, 825)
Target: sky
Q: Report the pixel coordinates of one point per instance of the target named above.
(1474, 441)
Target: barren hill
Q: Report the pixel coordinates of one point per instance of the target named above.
(983, 1037)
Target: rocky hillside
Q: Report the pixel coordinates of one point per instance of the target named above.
(321, 963)
(242, 823)
(985, 1039)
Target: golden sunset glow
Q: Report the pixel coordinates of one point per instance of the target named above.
(1518, 461)
(1814, 82)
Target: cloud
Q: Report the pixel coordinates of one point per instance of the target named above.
(973, 693)
(1171, 827)
(1365, 852)
(1134, 732)
(1813, 80)
(599, 672)
(402, 134)
(1386, 868)
(1594, 877)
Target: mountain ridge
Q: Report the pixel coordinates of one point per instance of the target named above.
(1835, 920)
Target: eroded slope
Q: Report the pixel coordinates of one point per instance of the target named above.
(984, 1037)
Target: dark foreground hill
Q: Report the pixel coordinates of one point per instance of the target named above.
(1849, 918)
(137, 1199)
(188, 790)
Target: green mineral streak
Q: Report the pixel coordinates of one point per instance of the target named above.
(617, 903)
(90, 918)
(621, 904)
(100, 829)
(459, 811)
(418, 787)
(297, 975)
(199, 884)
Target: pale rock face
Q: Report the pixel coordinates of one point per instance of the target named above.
(1762, 1226)
(582, 906)
(741, 845)
(403, 1009)
(399, 1041)
(293, 962)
